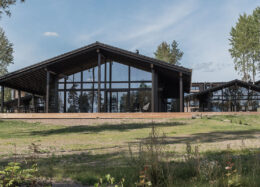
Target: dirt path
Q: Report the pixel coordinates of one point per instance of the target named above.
(76, 122)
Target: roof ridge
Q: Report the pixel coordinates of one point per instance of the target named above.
(81, 49)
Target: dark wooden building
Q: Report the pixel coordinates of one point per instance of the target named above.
(98, 78)
(235, 96)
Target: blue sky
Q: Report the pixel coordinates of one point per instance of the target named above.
(42, 29)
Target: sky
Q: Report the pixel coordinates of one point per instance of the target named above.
(43, 29)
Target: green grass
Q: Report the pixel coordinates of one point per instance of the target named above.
(85, 153)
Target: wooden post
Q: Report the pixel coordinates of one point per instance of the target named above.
(129, 88)
(47, 92)
(65, 94)
(154, 90)
(99, 79)
(105, 86)
(110, 86)
(2, 99)
(33, 103)
(248, 97)
(81, 83)
(181, 92)
(222, 97)
(235, 107)
(19, 101)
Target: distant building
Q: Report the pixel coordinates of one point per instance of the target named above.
(223, 97)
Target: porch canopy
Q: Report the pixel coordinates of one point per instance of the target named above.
(34, 79)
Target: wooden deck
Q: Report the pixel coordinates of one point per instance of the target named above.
(115, 115)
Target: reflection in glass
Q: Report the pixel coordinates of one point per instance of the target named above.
(141, 85)
(61, 101)
(139, 75)
(120, 85)
(119, 72)
(140, 101)
(82, 90)
(234, 98)
(172, 105)
(84, 102)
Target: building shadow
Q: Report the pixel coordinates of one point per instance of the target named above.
(105, 127)
(210, 137)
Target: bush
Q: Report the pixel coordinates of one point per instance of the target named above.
(14, 175)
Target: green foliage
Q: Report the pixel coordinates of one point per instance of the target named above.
(169, 53)
(73, 99)
(109, 181)
(6, 53)
(5, 6)
(14, 175)
(245, 45)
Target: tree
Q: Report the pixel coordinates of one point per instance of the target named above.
(83, 103)
(73, 99)
(255, 39)
(163, 52)
(240, 47)
(169, 53)
(245, 45)
(5, 6)
(6, 48)
(6, 53)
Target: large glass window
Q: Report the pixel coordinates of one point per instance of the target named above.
(234, 98)
(119, 72)
(140, 75)
(140, 101)
(80, 90)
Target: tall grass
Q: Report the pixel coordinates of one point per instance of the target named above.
(150, 162)
(225, 168)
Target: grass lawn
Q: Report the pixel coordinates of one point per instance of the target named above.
(86, 152)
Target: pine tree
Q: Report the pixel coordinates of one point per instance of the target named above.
(169, 53)
(163, 52)
(176, 53)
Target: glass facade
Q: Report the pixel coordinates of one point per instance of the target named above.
(126, 89)
(233, 98)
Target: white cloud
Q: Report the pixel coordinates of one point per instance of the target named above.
(51, 34)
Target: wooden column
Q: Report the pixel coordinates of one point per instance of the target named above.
(129, 88)
(33, 103)
(19, 101)
(81, 83)
(105, 86)
(248, 97)
(65, 94)
(222, 107)
(99, 80)
(2, 98)
(181, 92)
(235, 107)
(47, 92)
(110, 86)
(154, 90)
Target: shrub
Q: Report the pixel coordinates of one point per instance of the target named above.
(14, 175)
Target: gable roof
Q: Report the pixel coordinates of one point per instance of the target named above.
(225, 85)
(26, 78)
